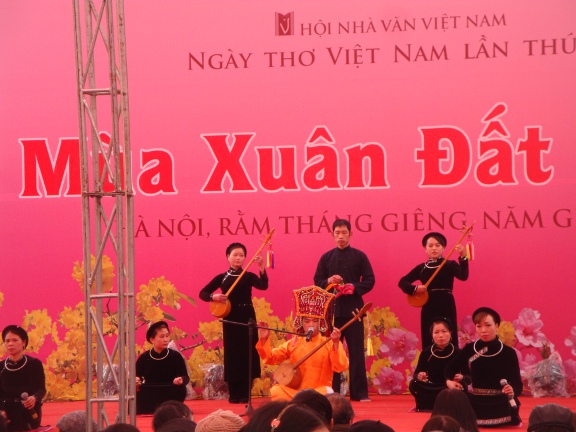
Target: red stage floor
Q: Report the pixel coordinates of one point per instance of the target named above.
(391, 410)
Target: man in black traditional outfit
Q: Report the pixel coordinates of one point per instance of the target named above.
(350, 270)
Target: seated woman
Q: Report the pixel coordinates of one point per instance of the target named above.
(161, 373)
(429, 379)
(22, 382)
(493, 370)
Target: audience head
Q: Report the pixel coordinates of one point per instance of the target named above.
(370, 426)
(297, 418)
(441, 423)
(179, 425)
(220, 421)
(170, 410)
(315, 401)
(342, 412)
(3, 425)
(264, 414)
(551, 418)
(121, 427)
(74, 421)
(454, 403)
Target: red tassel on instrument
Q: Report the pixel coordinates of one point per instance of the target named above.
(470, 252)
(270, 258)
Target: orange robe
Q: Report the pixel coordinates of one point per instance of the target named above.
(316, 371)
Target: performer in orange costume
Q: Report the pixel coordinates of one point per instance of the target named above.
(317, 371)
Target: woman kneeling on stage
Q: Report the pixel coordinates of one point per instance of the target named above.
(429, 378)
(22, 382)
(161, 373)
(493, 370)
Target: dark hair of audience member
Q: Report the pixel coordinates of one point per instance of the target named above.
(170, 410)
(121, 427)
(289, 418)
(263, 416)
(441, 423)
(342, 411)
(299, 418)
(315, 401)
(454, 403)
(370, 426)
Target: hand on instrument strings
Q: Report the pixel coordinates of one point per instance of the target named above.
(219, 298)
(420, 289)
(261, 264)
(335, 336)
(422, 376)
(335, 279)
(178, 381)
(263, 333)
(460, 249)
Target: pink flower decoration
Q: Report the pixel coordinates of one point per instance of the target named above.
(526, 364)
(570, 341)
(388, 381)
(467, 332)
(528, 327)
(529, 360)
(570, 371)
(399, 346)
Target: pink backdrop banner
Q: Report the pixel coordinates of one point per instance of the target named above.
(246, 116)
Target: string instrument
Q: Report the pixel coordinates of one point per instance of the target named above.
(420, 299)
(287, 374)
(220, 309)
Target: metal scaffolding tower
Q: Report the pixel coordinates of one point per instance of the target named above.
(107, 207)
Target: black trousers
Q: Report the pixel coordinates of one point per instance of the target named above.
(21, 418)
(354, 336)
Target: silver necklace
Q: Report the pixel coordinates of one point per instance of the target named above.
(431, 267)
(489, 355)
(161, 358)
(12, 370)
(440, 357)
(230, 272)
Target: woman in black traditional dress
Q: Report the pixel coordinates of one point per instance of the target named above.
(161, 373)
(22, 382)
(236, 338)
(429, 378)
(493, 370)
(441, 301)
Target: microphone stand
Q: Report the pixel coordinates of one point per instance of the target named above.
(251, 326)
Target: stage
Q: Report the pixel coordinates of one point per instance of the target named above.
(391, 410)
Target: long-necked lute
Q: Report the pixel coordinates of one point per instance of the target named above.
(220, 309)
(287, 374)
(420, 299)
